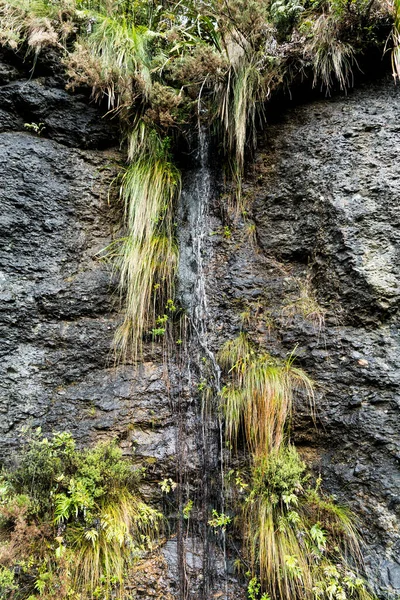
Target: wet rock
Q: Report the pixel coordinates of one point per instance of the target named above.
(58, 307)
(40, 105)
(326, 185)
(149, 579)
(326, 189)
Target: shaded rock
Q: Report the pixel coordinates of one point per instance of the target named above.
(326, 189)
(69, 119)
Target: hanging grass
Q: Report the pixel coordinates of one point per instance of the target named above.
(113, 59)
(333, 59)
(260, 395)
(147, 257)
(239, 98)
(30, 21)
(102, 555)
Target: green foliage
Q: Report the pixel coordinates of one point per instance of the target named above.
(7, 583)
(285, 13)
(37, 128)
(280, 475)
(72, 520)
(291, 543)
(219, 520)
(167, 485)
(254, 590)
(187, 509)
(158, 332)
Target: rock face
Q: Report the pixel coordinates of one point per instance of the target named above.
(59, 309)
(313, 266)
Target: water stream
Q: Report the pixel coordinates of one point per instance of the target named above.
(194, 256)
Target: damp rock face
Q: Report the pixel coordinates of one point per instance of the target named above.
(314, 268)
(58, 304)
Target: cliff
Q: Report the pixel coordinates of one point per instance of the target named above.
(311, 264)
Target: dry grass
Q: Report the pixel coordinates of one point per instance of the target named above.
(333, 59)
(113, 60)
(240, 98)
(101, 556)
(305, 305)
(30, 21)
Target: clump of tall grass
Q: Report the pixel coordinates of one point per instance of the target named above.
(332, 58)
(72, 522)
(101, 555)
(240, 96)
(299, 544)
(260, 394)
(147, 256)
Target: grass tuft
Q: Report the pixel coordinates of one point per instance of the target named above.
(299, 544)
(305, 305)
(333, 59)
(294, 536)
(113, 59)
(260, 395)
(102, 554)
(30, 21)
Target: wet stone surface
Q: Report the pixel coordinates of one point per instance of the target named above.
(58, 303)
(315, 267)
(324, 226)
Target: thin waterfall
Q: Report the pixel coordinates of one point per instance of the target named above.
(194, 253)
